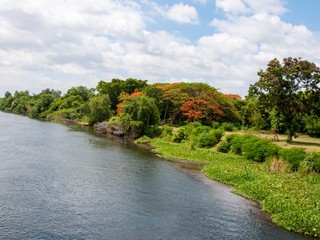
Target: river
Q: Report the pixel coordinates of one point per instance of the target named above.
(63, 182)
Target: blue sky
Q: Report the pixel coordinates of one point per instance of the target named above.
(64, 43)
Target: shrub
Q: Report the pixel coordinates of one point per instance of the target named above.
(153, 131)
(237, 142)
(167, 132)
(224, 146)
(180, 135)
(252, 147)
(209, 139)
(200, 130)
(294, 156)
(194, 124)
(313, 125)
(215, 125)
(228, 126)
(258, 149)
(313, 160)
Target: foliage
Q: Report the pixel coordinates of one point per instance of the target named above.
(287, 89)
(313, 160)
(191, 102)
(100, 109)
(230, 127)
(117, 86)
(223, 147)
(292, 198)
(132, 128)
(200, 130)
(180, 135)
(137, 112)
(167, 132)
(313, 125)
(153, 131)
(209, 139)
(294, 156)
(259, 150)
(144, 139)
(251, 147)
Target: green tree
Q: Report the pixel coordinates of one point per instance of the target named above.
(117, 86)
(99, 109)
(137, 112)
(286, 90)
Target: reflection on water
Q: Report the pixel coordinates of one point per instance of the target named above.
(59, 182)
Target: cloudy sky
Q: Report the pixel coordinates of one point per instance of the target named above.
(64, 43)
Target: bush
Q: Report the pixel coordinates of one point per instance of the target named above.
(313, 125)
(237, 142)
(209, 139)
(294, 156)
(313, 160)
(180, 135)
(258, 149)
(167, 132)
(153, 131)
(200, 130)
(252, 147)
(223, 146)
(228, 126)
(215, 125)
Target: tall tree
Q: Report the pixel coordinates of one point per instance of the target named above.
(99, 109)
(137, 112)
(286, 89)
(118, 86)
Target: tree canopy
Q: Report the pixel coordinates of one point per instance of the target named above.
(286, 90)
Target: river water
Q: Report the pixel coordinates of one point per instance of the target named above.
(60, 182)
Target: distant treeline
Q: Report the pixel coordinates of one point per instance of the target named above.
(278, 98)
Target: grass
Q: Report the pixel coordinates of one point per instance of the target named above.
(310, 144)
(293, 199)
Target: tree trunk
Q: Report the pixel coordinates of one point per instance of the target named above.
(165, 113)
(289, 137)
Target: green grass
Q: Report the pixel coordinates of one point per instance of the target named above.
(293, 199)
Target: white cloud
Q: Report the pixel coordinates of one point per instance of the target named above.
(75, 43)
(267, 6)
(183, 13)
(251, 6)
(232, 6)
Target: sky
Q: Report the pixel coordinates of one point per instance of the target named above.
(67, 43)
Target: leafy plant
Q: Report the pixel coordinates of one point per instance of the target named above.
(294, 156)
(209, 139)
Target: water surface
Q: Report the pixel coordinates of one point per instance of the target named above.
(59, 182)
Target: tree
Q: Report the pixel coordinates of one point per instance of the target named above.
(286, 89)
(137, 112)
(99, 109)
(117, 86)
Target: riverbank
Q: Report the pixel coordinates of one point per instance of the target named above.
(292, 199)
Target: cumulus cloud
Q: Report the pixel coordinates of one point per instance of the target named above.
(251, 6)
(232, 6)
(73, 43)
(183, 13)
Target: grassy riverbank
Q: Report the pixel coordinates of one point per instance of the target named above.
(293, 199)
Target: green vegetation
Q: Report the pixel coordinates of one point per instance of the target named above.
(194, 121)
(293, 198)
(288, 93)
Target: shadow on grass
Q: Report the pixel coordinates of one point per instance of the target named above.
(298, 143)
